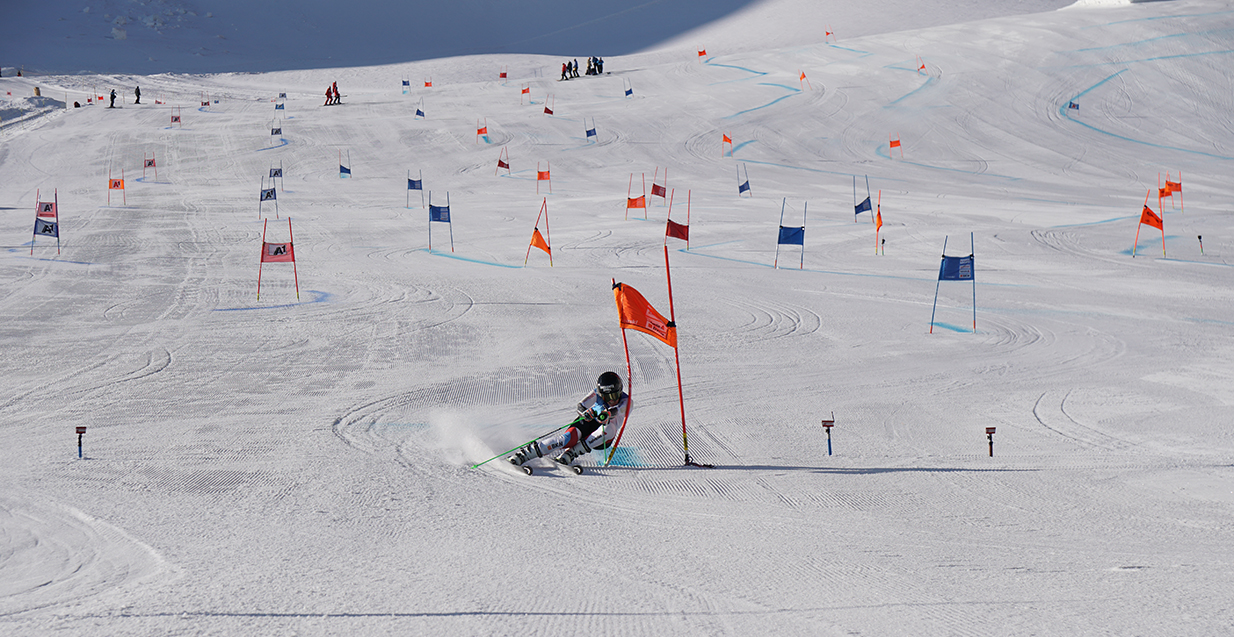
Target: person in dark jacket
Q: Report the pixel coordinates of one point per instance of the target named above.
(137, 92)
(113, 98)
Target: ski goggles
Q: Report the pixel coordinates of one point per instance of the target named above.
(610, 396)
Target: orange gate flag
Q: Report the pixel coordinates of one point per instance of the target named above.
(1175, 187)
(543, 175)
(537, 241)
(1148, 217)
(634, 312)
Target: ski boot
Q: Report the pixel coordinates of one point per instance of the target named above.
(521, 456)
(568, 457)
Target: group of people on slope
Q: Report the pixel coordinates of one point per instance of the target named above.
(569, 68)
(136, 91)
(332, 95)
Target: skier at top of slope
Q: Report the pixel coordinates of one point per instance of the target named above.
(600, 416)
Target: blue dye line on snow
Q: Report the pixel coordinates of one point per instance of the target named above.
(844, 48)
(730, 66)
(740, 146)
(911, 93)
(1213, 321)
(469, 260)
(954, 328)
(1063, 111)
(1157, 17)
(1137, 43)
(319, 297)
(284, 143)
(1148, 252)
(1153, 59)
(750, 110)
(783, 86)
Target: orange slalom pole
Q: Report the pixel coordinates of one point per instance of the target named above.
(629, 386)
(685, 443)
(294, 270)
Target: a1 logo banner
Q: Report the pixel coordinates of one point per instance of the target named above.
(267, 194)
(46, 228)
(277, 253)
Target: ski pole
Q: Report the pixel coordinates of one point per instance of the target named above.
(574, 422)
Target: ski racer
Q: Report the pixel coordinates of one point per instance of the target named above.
(600, 416)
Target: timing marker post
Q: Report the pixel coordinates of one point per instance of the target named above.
(81, 431)
(828, 424)
(989, 433)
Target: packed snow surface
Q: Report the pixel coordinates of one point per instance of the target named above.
(302, 463)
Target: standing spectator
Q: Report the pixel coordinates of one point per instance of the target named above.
(137, 92)
(113, 98)
(575, 72)
(329, 95)
(565, 71)
(338, 99)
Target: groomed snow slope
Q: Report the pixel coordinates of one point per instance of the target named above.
(304, 467)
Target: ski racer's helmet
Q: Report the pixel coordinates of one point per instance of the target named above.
(608, 387)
